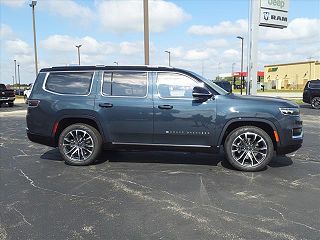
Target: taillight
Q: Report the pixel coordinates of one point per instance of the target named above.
(33, 103)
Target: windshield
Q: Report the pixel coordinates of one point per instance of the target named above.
(214, 86)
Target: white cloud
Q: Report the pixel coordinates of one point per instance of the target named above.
(17, 46)
(14, 3)
(195, 54)
(298, 29)
(130, 48)
(69, 9)
(231, 54)
(65, 43)
(225, 28)
(6, 32)
(127, 16)
(217, 43)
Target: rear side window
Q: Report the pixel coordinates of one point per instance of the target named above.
(314, 85)
(125, 84)
(77, 83)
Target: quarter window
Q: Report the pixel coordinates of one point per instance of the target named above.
(128, 84)
(175, 85)
(77, 83)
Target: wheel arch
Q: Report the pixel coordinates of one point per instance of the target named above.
(264, 124)
(66, 121)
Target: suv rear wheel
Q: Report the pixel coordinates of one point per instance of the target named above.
(249, 148)
(315, 102)
(80, 144)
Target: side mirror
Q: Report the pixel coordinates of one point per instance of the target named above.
(201, 94)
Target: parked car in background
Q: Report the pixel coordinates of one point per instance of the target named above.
(19, 92)
(82, 109)
(27, 93)
(311, 93)
(6, 95)
(225, 85)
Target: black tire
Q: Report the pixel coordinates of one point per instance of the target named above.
(315, 102)
(80, 147)
(10, 104)
(256, 151)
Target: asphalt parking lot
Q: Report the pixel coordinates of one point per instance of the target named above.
(155, 195)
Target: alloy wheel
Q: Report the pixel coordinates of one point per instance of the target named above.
(249, 149)
(78, 145)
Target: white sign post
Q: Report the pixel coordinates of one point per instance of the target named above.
(265, 13)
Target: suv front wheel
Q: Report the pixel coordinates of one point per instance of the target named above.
(80, 144)
(249, 148)
(315, 102)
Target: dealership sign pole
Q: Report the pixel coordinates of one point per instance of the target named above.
(265, 13)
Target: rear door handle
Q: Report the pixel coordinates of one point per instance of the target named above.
(165, 106)
(106, 105)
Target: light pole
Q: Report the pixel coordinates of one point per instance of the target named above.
(116, 63)
(19, 77)
(33, 4)
(146, 31)
(15, 71)
(12, 81)
(78, 46)
(241, 73)
(232, 67)
(169, 55)
(219, 64)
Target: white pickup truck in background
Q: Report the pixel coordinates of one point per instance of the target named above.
(27, 93)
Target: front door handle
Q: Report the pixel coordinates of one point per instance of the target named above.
(165, 106)
(106, 105)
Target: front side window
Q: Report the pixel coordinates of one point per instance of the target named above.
(175, 85)
(77, 83)
(125, 84)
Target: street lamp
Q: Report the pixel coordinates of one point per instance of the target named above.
(232, 67)
(116, 63)
(19, 77)
(15, 71)
(78, 46)
(33, 4)
(241, 71)
(169, 55)
(146, 31)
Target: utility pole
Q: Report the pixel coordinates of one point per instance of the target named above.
(146, 31)
(33, 4)
(15, 71)
(253, 47)
(19, 77)
(78, 46)
(241, 73)
(169, 54)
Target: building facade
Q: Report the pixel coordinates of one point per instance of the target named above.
(290, 75)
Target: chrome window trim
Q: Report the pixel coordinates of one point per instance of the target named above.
(69, 94)
(112, 71)
(160, 144)
(180, 98)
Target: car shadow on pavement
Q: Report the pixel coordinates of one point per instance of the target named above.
(167, 157)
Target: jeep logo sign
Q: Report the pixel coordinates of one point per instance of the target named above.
(280, 5)
(274, 13)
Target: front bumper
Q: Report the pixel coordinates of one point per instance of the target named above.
(291, 134)
(7, 99)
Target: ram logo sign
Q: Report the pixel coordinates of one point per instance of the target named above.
(271, 18)
(274, 13)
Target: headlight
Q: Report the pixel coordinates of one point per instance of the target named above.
(290, 111)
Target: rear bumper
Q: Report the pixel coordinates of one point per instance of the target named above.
(48, 141)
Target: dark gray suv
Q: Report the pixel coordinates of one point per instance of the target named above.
(82, 109)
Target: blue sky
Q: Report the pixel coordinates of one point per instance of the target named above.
(200, 34)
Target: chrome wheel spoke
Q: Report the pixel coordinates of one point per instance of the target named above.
(249, 149)
(78, 145)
